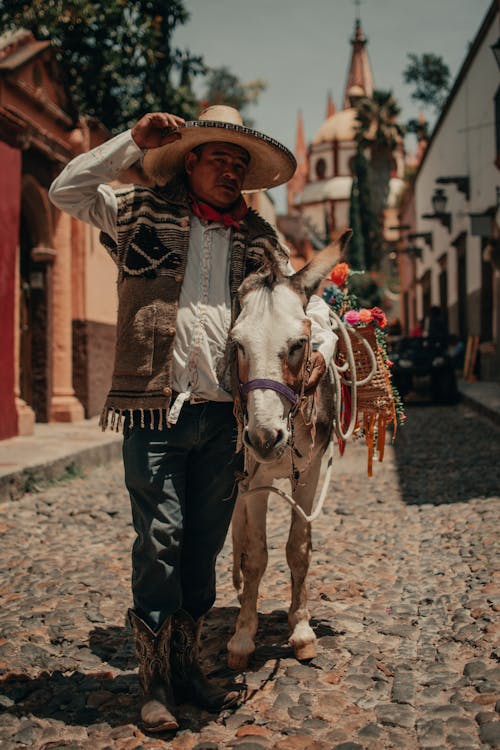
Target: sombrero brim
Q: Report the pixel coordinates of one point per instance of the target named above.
(271, 163)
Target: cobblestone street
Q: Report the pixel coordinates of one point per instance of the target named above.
(404, 596)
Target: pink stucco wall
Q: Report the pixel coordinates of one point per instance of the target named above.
(10, 196)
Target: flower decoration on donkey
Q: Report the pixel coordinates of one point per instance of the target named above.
(378, 403)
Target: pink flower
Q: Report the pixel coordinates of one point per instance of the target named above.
(365, 315)
(378, 316)
(352, 317)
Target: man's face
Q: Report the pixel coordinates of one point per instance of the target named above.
(216, 176)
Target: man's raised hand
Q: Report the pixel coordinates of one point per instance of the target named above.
(151, 130)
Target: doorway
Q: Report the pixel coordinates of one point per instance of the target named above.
(35, 365)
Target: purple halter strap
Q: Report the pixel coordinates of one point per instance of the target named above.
(272, 385)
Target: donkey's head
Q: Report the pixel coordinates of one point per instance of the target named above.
(272, 336)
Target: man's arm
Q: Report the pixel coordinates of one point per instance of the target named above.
(81, 188)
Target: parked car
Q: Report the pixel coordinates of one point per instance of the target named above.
(425, 367)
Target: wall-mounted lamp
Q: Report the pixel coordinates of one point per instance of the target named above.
(495, 48)
(462, 183)
(481, 223)
(439, 201)
(425, 236)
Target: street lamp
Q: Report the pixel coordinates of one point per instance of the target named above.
(439, 201)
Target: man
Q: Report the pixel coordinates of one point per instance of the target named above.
(182, 248)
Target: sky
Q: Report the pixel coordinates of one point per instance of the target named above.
(302, 50)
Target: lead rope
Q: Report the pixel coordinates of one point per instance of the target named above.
(294, 505)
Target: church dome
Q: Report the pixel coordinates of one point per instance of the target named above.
(335, 189)
(338, 127)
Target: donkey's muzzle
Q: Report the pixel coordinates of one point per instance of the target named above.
(266, 443)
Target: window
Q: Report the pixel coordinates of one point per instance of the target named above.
(320, 169)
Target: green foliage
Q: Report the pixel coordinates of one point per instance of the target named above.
(378, 134)
(369, 222)
(377, 117)
(365, 291)
(418, 127)
(117, 55)
(430, 77)
(356, 248)
(223, 87)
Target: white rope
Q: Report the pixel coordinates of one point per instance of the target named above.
(338, 370)
(294, 505)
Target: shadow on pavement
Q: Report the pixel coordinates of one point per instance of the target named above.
(84, 699)
(445, 454)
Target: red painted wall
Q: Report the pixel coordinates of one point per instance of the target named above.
(10, 199)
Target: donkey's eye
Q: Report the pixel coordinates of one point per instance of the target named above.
(296, 347)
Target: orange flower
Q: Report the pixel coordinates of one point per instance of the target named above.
(365, 315)
(340, 274)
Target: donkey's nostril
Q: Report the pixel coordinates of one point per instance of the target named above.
(263, 441)
(273, 437)
(279, 437)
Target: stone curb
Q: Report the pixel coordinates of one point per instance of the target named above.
(14, 485)
(483, 409)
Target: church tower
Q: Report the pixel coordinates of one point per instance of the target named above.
(320, 191)
(359, 77)
(296, 185)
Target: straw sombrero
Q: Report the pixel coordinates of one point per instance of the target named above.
(271, 164)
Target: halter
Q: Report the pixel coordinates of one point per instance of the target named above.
(272, 385)
(275, 385)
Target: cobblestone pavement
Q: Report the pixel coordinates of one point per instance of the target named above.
(403, 591)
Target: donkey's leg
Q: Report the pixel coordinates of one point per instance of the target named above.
(253, 560)
(238, 523)
(298, 555)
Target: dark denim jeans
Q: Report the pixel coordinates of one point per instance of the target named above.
(182, 486)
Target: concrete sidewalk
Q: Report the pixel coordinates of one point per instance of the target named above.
(60, 450)
(482, 396)
(53, 452)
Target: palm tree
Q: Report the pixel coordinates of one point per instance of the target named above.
(378, 134)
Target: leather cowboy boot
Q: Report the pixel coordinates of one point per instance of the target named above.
(188, 681)
(153, 654)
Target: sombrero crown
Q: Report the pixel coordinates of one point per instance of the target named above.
(271, 164)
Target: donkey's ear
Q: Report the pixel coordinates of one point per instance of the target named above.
(307, 280)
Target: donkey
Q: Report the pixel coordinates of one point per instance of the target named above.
(284, 432)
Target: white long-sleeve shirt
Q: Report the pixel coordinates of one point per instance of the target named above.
(204, 312)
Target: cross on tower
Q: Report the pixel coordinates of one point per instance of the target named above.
(358, 4)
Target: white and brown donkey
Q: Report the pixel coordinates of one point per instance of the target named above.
(285, 434)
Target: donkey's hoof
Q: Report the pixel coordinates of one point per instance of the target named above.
(238, 662)
(307, 651)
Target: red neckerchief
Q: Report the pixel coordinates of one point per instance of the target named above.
(229, 218)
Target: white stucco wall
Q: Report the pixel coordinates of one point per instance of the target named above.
(325, 152)
(464, 146)
(345, 153)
